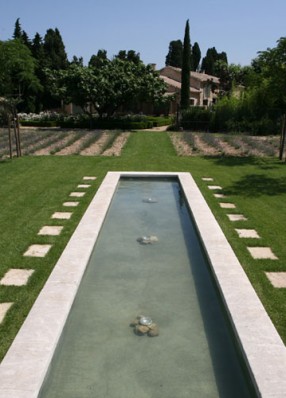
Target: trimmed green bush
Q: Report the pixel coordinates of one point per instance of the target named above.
(134, 122)
(39, 123)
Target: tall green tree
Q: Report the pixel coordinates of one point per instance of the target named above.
(272, 70)
(17, 30)
(55, 59)
(17, 73)
(175, 54)
(186, 68)
(56, 56)
(196, 57)
(209, 61)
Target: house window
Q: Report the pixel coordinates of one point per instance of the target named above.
(205, 102)
(192, 101)
(207, 91)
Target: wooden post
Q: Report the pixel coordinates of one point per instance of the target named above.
(18, 133)
(10, 137)
(16, 136)
(282, 138)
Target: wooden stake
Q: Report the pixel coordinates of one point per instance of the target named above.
(16, 137)
(282, 138)
(18, 134)
(10, 137)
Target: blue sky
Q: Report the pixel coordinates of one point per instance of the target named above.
(241, 28)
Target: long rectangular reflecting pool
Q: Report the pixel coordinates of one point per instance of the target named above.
(157, 252)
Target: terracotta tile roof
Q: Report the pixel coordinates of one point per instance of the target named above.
(176, 84)
(197, 75)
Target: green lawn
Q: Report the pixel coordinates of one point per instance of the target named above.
(32, 188)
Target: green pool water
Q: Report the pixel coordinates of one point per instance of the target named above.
(100, 356)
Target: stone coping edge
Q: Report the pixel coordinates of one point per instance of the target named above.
(25, 365)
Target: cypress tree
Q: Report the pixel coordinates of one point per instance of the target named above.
(175, 54)
(17, 30)
(196, 56)
(186, 68)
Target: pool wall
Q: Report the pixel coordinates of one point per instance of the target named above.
(24, 368)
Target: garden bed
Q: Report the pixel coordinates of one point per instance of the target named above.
(36, 142)
(210, 144)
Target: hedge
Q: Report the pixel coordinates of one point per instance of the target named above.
(125, 123)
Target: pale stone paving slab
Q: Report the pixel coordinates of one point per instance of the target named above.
(89, 178)
(207, 179)
(214, 187)
(16, 277)
(62, 215)
(77, 194)
(220, 195)
(236, 217)
(277, 279)
(227, 205)
(262, 253)
(83, 186)
(4, 307)
(50, 230)
(70, 204)
(37, 251)
(247, 233)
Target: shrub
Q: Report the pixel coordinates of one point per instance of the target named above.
(196, 118)
(39, 123)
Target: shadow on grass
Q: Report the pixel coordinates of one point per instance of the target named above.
(258, 184)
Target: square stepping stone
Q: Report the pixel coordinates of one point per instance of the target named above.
(4, 307)
(247, 233)
(207, 179)
(70, 204)
(262, 253)
(89, 178)
(16, 277)
(227, 206)
(83, 186)
(62, 215)
(214, 187)
(219, 195)
(77, 194)
(37, 250)
(277, 279)
(236, 217)
(50, 230)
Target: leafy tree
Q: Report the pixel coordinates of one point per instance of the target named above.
(17, 73)
(186, 68)
(77, 61)
(99, 59)
(175, 54)
(131, 56)
(196, 56)
(108, 87)
(271, 66)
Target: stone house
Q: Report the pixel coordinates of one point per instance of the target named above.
(204, 88)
